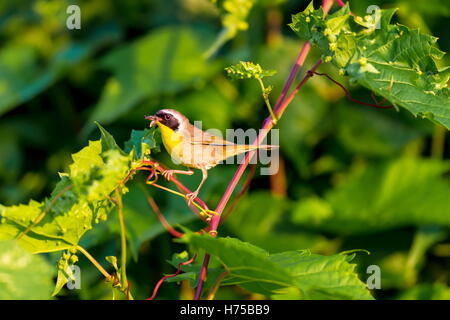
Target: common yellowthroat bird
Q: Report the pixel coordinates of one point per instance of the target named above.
(192, 147)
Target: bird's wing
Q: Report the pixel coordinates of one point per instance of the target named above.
(199, 137)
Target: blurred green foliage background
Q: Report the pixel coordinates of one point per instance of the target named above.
(350, 177)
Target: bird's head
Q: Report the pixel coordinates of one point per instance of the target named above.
(168, 117)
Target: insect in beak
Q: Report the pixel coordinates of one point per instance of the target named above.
(152, 119)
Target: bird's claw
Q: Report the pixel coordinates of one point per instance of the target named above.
(191, 197)
(168, 174)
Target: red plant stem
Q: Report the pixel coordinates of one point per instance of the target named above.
(128, 290)
(160, 282)
(326, 5)
(217, 284)
(339, 2)
(268, 124)
(177, 182)
(241, 193)
(215, 220)
(349, 97)
(298, 63)
(193, 208)
(183, 188)
(153, 166)
(202, 277)
(280, 107)
(162, 219)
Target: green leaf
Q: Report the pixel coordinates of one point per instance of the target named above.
(393, 61)
(108, 141)
(79, 200)
(23, 275)
(84, 161)
(143, 142)
(141, 222)
(191, 271)
(61, 279)
(312, 275)
(248, 70)
(65, 272)
(113, 261)
(404, 192)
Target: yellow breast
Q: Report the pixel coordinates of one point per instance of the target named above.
(169, 137)
(180, 151)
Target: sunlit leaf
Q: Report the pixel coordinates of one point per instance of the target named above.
(22, 274)
(314, 276)
(391, 60)
(248, 70)
(79, 201)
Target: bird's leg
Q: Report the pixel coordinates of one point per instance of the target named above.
(193, 195)
(169, 173)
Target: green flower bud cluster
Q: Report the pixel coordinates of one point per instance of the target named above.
(248, 70)
(235, 14)
(68, 257)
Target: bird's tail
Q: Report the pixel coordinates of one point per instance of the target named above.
(263, 146)
(232, 150)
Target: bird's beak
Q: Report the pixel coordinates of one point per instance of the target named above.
(152, 119)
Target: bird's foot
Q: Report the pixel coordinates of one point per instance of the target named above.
(191, 197)
(168, 174)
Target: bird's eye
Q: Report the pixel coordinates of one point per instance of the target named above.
(167, 117)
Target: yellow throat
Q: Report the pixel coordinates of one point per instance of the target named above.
(169, 137)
